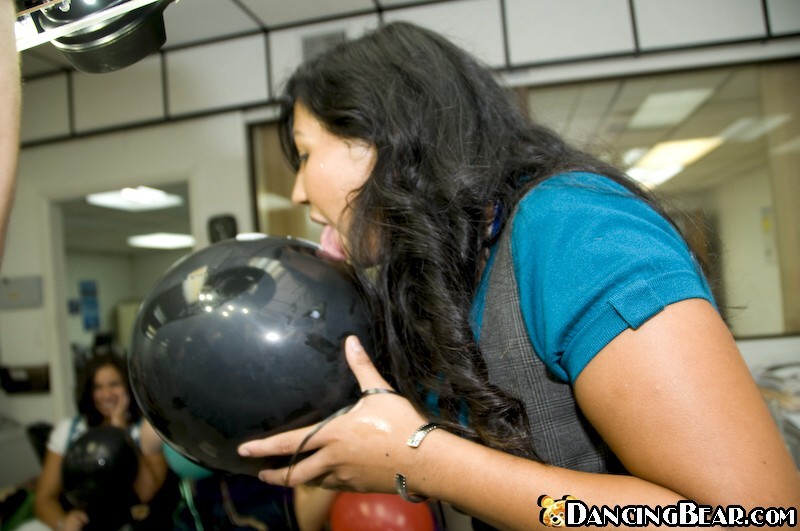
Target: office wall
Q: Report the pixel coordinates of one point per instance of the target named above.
(209, 153)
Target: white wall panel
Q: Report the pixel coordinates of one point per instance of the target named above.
(550, 30)
(45, 108)
(129, 95)
(475, 25)
(217, 75)
(679, 23)
(286, 46)
(784, 16)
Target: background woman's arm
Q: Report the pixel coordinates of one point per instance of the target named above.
(312, 506)
(152, 464)
(47, 506)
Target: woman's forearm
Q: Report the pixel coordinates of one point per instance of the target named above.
(49, 511)
(151, 476)
(503, 490)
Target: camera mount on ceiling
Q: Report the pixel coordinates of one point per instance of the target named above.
(95, 36)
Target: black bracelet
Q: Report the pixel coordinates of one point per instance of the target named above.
(414, 441)
(402, 490)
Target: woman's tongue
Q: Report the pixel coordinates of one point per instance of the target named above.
(329, 239)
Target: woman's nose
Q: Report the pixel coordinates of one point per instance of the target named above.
(298, 190)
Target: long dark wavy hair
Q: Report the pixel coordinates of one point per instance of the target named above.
(85, 388)
(450, 143)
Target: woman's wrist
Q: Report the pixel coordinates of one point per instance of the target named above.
(119, 421)
(412, 483)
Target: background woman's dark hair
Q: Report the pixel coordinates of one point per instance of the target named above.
(85, 387)
(450, 143)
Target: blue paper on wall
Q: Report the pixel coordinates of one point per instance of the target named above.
(90, 308)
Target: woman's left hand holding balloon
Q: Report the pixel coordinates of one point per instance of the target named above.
(361, 450)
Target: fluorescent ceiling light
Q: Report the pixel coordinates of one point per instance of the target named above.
(162, 240)
(632, 155)
(664, 109)
(752, 128)
(678, 152)
(139, 199)
(667, 159)
(652, 177)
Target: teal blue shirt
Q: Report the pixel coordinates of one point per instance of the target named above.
(591, 260)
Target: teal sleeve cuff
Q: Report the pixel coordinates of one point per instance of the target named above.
(629, 307)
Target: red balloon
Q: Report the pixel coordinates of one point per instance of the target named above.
(352, 511)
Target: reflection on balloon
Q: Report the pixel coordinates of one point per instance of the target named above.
(353, 511)
(241, 340)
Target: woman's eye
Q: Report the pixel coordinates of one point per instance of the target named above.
(302, 158)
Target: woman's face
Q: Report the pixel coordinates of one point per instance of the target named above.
(331, 169)
(108, 389)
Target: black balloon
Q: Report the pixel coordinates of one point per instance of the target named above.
(244, 339)
(98, 470)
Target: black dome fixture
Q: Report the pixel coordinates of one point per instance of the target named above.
(114, 33)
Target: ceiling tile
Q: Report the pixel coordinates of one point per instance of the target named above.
(475, 25)
(189, 21)
(42, 59)
(394, 3)
(280, 12)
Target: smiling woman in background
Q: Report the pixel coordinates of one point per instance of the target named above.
(534, 303)
(104, 399)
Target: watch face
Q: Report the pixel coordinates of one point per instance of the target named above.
(221, 228)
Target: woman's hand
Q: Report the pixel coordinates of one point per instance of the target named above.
(74, 520)
(361, 450)
(118, 412)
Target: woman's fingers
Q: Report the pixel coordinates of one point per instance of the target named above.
(360, 363)
(344, 445)
(306, 471)
(286, 443)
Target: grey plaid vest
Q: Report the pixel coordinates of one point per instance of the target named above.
(560, 435)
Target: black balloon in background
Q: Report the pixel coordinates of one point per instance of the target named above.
(244, 339)
(98, 471)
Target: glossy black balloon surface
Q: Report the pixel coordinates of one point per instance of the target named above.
(241, 340)
(99, 468)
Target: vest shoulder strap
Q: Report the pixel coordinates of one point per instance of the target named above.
(559, 433)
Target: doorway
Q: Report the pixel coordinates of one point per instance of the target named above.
(105, 277)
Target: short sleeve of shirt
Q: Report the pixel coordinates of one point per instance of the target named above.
(63, 434)
(592, 260)
(58, 440)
